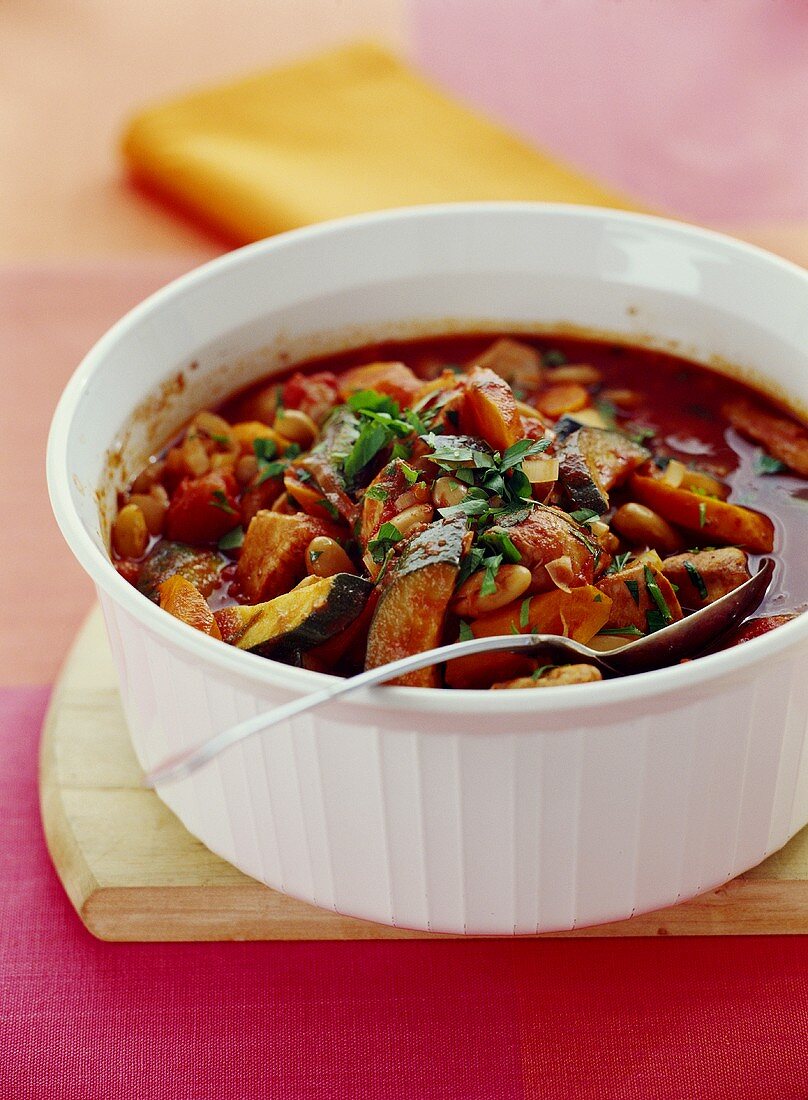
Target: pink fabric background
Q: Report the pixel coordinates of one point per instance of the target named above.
(697, 107)
(446, 1020)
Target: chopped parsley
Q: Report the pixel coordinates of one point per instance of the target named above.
(386, 538)
(695, 576)
(767, 464)
(583, 515)
(219, 500)
(377, 492)
(500, 542)
(329, 507)
(524, 613)
(465, 634)
(655, 592)
(410, 473)
(381, 423)
(620, 632)
(553, 357)
(269, 467)
(491, 566)
(232, 540)
(619, 562)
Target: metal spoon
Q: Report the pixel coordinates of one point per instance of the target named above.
(685, 638)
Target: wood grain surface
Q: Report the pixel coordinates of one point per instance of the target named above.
(133, 872)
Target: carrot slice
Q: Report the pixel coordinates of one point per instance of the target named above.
(562, 397)
(713, 520)
(182, 600)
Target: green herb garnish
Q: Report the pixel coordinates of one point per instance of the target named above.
(219, 500)
(553, 357)
(386, 538)
(377, 492)
(634, 589)
(655, 592)
(410, 473)
(620, 632)
(619, 562)
(232, 540)
(465, 634)
(583, 515)
(767, 464)
(540, 671)
(489, 585)
(524, 613)
(698, 581)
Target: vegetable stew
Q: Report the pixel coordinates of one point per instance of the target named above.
(386, 500)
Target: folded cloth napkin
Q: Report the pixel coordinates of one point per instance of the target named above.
(349, 131)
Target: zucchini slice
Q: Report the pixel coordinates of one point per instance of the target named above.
(592, 461)
(303, 617)
(412, 610)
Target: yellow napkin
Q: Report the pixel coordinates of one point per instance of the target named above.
(348, 131)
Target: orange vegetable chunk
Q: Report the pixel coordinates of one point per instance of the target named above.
(713, 520)
(179, 598)
(489, 409)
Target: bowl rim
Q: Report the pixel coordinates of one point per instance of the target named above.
(262, 672)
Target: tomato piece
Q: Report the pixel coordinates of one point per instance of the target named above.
(203, 508)
(314, 394)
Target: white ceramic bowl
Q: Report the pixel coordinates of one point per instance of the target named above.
(475, 812)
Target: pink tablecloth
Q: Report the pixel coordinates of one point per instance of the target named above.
(83, 1020)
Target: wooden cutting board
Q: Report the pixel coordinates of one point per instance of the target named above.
(133, 872)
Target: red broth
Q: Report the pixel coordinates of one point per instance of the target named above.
(672, 405)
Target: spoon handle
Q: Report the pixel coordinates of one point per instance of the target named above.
(185, 763)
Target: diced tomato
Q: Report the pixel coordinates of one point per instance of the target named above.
(203, 508)
(314, 394)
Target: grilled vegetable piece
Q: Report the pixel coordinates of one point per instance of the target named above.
(518, 363)
(378, 503)
(273, 555)
(396, 380)
(346, 650)
(641, 596)
(594, 461)
(412, 609)
(306, 616)
(782, 437)
(323, 464)
(556, 677)
(548, 534)
(489, 409)
(705, 576)
(578, 614)
(203, 508)
(712, 520)
(170, 559)
(179, 598)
